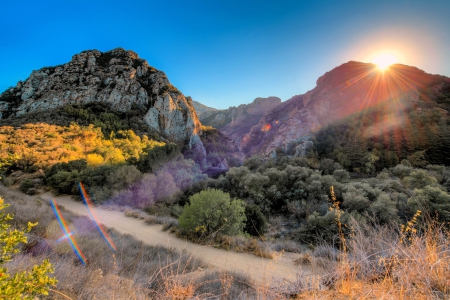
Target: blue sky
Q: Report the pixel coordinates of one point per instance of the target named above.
(225, 53)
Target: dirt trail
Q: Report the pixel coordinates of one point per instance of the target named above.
(261, 270)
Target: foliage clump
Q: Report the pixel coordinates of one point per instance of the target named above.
(42, 145)
(21, 285)
(212, 211)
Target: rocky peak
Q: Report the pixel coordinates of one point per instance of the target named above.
(118, 78)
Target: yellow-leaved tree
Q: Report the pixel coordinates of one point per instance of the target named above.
(22, 285)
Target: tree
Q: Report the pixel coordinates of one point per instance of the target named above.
(22, 285)
(371, 158)
(212, 211)
(417, 159)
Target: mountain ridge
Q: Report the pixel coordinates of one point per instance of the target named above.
(350, 90)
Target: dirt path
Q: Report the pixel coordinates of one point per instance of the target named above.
(259, 269)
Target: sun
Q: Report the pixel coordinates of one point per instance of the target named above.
(383, 61)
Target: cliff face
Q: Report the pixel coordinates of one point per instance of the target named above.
(351, 89)
(118, 78)
(235, 122)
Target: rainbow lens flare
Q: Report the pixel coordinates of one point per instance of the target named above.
(94, 218)
(67, 233)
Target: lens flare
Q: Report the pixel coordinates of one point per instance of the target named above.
(64, 237)
(67, 233)
(94, 218)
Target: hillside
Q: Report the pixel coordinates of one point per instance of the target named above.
(352, 177)
(117, 78)
(403, 107)
(115, 91)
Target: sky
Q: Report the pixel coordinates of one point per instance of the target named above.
(226, 53)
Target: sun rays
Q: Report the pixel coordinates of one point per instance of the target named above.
(389, 95)
(384, 61)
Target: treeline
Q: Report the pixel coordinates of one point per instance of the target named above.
(374, 141)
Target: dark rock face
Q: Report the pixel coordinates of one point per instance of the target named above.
(118, 78)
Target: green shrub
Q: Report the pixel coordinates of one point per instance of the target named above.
(27, 187)
(256, 223)
(433, 201)
(212, 211)
(384, 209)
(21, 285)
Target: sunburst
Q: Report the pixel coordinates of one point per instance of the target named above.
(384, 61)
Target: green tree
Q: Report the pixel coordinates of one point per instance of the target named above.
(417, 159)
(22, 285)
(212, 211)
(371, 159)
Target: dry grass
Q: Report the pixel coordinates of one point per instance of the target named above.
(383, 263)
(134, 271)
(379, 263)
(244, 244)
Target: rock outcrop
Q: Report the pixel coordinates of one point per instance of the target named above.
(117, 77)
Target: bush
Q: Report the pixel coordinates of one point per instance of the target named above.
(22, 285)
(256, 223)
(212, 211)
(433, 201)
(27, 187)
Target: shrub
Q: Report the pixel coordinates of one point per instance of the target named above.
(419, 179)
(256, 223)
(27, 187)
(23, 285)
(384, 209)
(94, 159)
(212, 211)
(433, 201)
(341, 175)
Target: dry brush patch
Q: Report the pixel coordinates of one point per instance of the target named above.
(134, 271)
(388, 263)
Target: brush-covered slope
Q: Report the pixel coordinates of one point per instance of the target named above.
(384, 105)
(117, 78)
